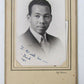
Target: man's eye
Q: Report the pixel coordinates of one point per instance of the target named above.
(37, 16)
(47, 16)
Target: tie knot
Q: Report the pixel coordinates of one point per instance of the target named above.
(43, 39)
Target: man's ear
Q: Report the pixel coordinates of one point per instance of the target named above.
(51, 17)
(28, 17)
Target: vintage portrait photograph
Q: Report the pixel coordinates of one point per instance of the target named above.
(40, 32)
(41, 42)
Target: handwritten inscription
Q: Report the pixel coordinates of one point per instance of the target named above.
(23, 59)
(27, 56)
(22, 47)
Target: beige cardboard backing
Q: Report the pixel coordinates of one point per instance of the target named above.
(50, 75)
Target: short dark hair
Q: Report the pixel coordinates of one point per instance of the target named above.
(38, 2)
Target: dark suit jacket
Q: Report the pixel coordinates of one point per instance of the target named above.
(55, 49)
(29, 41)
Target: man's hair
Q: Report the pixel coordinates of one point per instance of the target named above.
(38, 2)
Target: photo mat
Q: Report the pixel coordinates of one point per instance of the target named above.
(65, 36)
(67, 73)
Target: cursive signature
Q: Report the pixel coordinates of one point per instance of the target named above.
(27, 56)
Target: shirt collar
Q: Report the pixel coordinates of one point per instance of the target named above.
(37, 36)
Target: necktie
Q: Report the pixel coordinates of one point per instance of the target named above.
(44, 44)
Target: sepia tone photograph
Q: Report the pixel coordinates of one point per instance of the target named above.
(41, 42)
(40, 32)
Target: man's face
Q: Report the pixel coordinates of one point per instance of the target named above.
(40, 18)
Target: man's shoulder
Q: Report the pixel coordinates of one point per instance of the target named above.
(27, 36)
(52, 38)
(28, 39)
(24, 38)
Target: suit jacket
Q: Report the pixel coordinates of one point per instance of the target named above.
(29, 43)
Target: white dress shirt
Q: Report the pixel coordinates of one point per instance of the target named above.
(38, 36)
(41, 39)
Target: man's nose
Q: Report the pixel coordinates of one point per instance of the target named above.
(42, 20)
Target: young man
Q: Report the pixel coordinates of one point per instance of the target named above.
(44, 47)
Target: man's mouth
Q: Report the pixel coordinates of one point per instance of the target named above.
(41, 27)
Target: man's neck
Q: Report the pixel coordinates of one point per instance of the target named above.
(37, 35)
